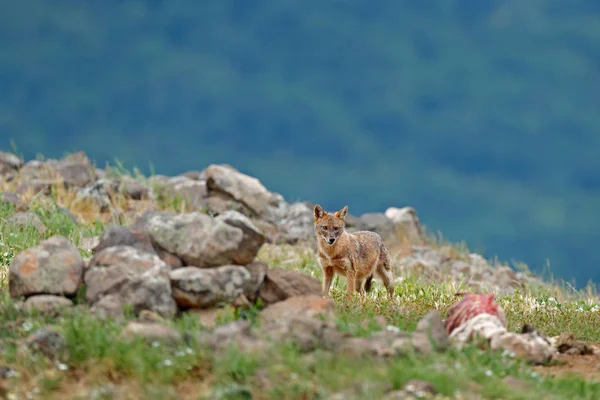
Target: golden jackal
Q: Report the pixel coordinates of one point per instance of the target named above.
(357, 256)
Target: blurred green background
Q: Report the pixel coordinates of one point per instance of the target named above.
(482, 114)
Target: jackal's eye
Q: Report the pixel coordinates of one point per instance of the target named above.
(337, 228)
(324, 228)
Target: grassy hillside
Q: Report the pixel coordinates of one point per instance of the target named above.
(481, 114)
(99, 361)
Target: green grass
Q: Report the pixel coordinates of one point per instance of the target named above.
(99, 358)
(96, 351)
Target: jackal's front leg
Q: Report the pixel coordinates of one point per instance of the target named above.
(327, 279)
(350, 283)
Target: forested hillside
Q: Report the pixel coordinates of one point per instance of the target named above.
(482, 114)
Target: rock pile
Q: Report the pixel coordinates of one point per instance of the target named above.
(220, 190)
(165, 263)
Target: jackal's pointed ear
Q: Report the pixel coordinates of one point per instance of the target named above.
(342, 213)
(318, 212)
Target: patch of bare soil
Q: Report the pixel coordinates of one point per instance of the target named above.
(586, 366)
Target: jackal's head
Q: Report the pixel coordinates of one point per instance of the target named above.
(329, 226)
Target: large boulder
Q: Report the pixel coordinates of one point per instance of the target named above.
(128, 276)
(126, 236)
(205, 287)
(281, 284)
(376, 222)
(123, 236)
(224, 179)
(190, 190)
(407, 223)
(297, 224)
(203, 241)
(55, 266)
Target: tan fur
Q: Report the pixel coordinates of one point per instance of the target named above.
(357, 256)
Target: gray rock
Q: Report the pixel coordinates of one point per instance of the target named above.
(151, 332)
(133, 189)
(239, 186)
(202, 287)
(36, 169)
(36, 186)
(305, 320)
(376, 222)
(47, 304)
(123, 236)
(407, 223)
(139, 278)
(234, 334)
(9, 163)
(281, 284)
(219, 204)
(440, 265)
(258, 272)
(99, 192)
(413, 389)
(25, 220)
(252, 238)
(139, 239)
(7, 373)
(432, 326)
(133, 258)
(203, 241)
(297, 224)
(13, 199)
(109, 307)
(195, 175)
(53, 267)
(47, 341)
(189, 190)
(75, 172)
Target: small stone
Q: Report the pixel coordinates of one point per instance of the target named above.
(25, 220)
(49, 342)
(420, 388)
(432, 325)
(151, 332)
(208, 316)
(47, 304)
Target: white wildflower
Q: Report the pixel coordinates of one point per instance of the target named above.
(61, 366)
